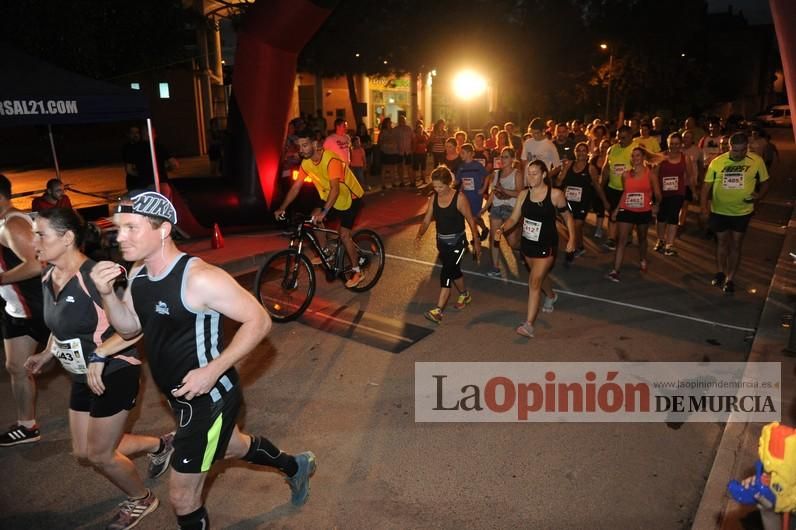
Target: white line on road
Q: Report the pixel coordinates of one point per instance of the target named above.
(586, 296)
(362, 326)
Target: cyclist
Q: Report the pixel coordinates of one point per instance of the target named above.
(339, 190)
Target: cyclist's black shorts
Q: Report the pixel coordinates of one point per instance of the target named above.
(346, 217)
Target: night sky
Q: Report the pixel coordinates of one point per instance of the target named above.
(755, 11)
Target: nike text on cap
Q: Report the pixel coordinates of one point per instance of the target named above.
(152, 204)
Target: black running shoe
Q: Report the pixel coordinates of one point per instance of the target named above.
(19, 434)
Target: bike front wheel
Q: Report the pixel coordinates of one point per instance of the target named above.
(285, 285)
(370, 250)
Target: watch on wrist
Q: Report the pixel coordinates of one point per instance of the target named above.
(94, 358)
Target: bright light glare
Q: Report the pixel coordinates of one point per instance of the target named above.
(468, 84)
(603, 46)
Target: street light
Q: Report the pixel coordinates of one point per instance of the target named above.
(468, 85)
(604, 47)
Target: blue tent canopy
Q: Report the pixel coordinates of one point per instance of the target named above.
(33, 92)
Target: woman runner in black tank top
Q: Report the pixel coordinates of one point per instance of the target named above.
(105, 369)
(535, 215)
(449, 209)
(581, 185)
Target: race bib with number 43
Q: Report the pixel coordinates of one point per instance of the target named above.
(70, 354)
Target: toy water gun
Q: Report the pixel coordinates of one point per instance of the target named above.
(774, 485)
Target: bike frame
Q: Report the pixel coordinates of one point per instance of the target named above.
(307, 231)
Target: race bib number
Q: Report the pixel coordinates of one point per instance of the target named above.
(531, 229)
(574, 193)
(732, 180)
(70, 354)
(634, 200)
(619, 169)
(671, 183)
(468, 184)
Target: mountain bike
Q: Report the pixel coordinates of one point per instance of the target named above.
(286, 282)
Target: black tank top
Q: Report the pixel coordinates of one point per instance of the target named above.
(580, 184)
(449, 220)
(23, 299)
(177, 339)
(539, 222)
(78, 322)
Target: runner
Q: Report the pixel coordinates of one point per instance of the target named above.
(449, 208)
(506, 186)
(598, 160)
(22, 322)
(105, 369)
(472, 179)
(337, 187)
(581, 183)
(537, 205)
(674, 177)
(616, 162)
(730, 184)
(178, 302)
(640, 183)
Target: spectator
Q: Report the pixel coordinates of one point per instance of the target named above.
(359, 162)
(404, 135)
(514, 139)
(53, 197)
(388, 145)
(143, 162)
(437, 142)
(419, 154)
(129, 153)
(339, 142)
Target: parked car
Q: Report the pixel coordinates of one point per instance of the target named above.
(777, 116)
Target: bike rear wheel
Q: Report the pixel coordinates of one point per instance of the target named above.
(370, 250)
(285, 285)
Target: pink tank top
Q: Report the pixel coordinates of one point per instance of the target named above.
(637, 196)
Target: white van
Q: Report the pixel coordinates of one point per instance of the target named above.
(777, 116)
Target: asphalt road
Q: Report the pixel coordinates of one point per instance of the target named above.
(351, 401)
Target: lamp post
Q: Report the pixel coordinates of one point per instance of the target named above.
(604, 46)
(468, 85)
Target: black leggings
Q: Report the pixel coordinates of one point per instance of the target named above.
(451, 256)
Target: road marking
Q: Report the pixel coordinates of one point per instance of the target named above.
(327, 316)
(586, 296)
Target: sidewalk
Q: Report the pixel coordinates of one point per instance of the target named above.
(738, 448)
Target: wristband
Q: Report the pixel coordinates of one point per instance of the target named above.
(325, 211)
(94, 358)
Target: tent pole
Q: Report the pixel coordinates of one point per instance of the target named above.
(152, 152)
(55, 154)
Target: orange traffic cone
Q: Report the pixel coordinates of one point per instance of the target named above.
(218, 239)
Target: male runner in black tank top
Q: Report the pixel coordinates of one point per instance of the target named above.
(177, 302)
(22, 322)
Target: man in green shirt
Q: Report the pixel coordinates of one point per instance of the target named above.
(734, 182)
(616, 162)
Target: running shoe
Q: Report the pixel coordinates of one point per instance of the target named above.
(613, 276)
(132, 511)
(300, 482)
(642, 265)
(355, 280)
(610, 244)
(718, 280)
(660, 246)
(493, 273)
(463, 300)
(434, 315)
(19, 434)
(547, 306)
(729, 287)
(580, 252)
(670, 251)
(598, 233)
(525, 329)
(159, 461)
